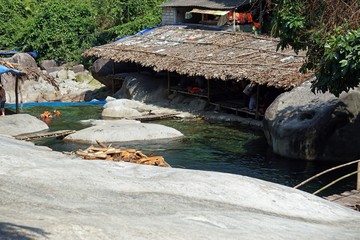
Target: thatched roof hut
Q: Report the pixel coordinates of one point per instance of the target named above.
(211, 54)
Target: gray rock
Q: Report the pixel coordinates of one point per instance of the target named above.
(123, 131)
(62, 74)
(103, 69)
(18, 124)
(54, 69)
(143, 87)
(125, 108)
(49, 195)
(71, 75)
(22, 59)
(46, 64)
(78, 68)
(302, 125)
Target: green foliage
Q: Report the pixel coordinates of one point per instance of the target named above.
(63, 29)
(329, 32)
(339, 67)
(16, 22)
(64, 34)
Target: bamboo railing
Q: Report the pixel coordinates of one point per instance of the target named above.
(337, 180)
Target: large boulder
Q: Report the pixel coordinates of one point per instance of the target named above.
(18, 124)
(122, 131)
(103, 70)
(49, 195)
(302, 125)
(149, 88)
(22, 59)
(125, 108)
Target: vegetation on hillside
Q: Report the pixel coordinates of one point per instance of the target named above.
(329, 31)
(63, 29)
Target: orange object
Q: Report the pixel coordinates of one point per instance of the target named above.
(249, 17)
(57, 113)
(194, 90)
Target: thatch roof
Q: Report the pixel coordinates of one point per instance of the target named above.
(213, 4)
(213, 55)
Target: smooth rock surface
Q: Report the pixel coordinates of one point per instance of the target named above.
(123, 131)
(125, 108)
(48, 195)
(17, 124)
(302, 125)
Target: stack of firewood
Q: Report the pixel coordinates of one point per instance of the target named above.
(116, 154)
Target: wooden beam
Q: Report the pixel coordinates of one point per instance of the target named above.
(17, 93)
(208, 92)
(113, 80)
(168, 77)
(358, 177)
(257, 102)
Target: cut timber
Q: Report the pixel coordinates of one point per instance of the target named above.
(116, 154)
(31, 136)
(153, 117)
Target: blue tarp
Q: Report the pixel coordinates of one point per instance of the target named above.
(34, 54)
(4, 69)
(57, 104)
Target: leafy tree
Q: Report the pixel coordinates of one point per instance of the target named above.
(329, 30)
(16, 21)
(62, 29)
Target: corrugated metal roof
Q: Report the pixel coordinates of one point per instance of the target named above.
(212, 4)
(213, 12)
(213, 55)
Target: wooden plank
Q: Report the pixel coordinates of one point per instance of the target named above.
(153, 117)
(33, 136)
(349, 199)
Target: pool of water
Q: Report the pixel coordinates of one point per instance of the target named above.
(224, 148)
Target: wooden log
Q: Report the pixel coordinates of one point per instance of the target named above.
(100, 144)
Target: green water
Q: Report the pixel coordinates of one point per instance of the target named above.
(211, 147)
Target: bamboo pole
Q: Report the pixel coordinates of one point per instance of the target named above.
(17, 93)
(335, 181)
(358, 177)
(326, 171)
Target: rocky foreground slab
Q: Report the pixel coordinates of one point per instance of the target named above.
(49, 195)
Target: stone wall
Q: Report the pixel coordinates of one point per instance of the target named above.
(168, 15)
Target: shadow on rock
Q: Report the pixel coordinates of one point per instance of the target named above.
(12, 231)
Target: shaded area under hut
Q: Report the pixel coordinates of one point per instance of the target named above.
(213, 65)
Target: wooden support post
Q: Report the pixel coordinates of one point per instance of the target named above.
(234, 18)
(257, 102)
(358, 177)
(168, 77)
(113, 80)
(208, 92)
(17, 93)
